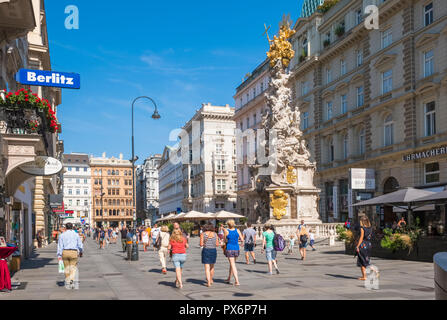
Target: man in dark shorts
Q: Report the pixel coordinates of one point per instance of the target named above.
(124, 237)
(249, 243)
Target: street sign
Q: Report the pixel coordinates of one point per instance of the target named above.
(42, 166)
(49, 78)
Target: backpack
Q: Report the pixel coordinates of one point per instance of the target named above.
(303, 238)
(278, 242)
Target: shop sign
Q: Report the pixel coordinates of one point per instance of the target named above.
(425, 154)
(362, 179)
(42, 166)
(56, 200)
(49, 78)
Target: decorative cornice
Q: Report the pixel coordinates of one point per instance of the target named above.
(384, 60)
(426, 38)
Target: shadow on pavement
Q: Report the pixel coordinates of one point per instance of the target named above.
(333, 252)
(168, 284)
(257, 271)
(339, 276)
(196, 281)
(237, 294)
(60, 283)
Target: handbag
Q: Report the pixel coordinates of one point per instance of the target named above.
(61, 267)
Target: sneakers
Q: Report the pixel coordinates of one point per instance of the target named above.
(270, 273)
(277, 271)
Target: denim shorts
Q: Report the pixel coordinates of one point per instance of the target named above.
(270, 254)
(179, 260)
(248, 247)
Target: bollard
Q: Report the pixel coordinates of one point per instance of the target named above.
(134, 249)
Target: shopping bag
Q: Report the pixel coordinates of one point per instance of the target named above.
(61, 266)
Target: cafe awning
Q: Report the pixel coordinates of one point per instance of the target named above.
(400, 198)
(438, 197)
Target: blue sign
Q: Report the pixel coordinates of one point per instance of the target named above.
(49, 78)
(82, 221)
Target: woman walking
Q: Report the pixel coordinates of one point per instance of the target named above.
(364, 246)
(102, 238)
(232, 237)
(163, 251)
(268, 245)
(145, 239)
(303, 237)
(209, 242)
(178, 244)
(221, 232)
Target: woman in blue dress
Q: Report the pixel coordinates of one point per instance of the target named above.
(364, 246)
(232, 237)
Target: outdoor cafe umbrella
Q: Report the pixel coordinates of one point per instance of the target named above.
(403, 199)
(438, 197)
(226, 215)
(168, 217)
(195, 215)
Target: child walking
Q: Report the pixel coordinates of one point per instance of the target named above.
(312, 239)
(291, 244)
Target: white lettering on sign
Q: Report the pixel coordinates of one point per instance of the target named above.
(425, 154)
(55, 78)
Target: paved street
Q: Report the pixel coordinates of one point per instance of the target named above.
(327, 274)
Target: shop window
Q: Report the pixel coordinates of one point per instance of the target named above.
(432, 172)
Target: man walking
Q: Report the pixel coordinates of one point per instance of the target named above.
(249, 243)
(69, 247)
(155, 232)
(124, 237)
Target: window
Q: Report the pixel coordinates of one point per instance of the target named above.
(359, 58)
(329, 110)
(78, 192)
(70, 202)
(220, 164)
(78, 181)
(360, 96)
(77, 169)
(432, 172)
(69, 168)
(359, 16)
(305, 120)
(387, 38)
(331, 151)
(78, 202)
(85, 191)
(388, 131)
(304, 88)
(70, 191)
(219, 147)
(248, 122)
(221, 185)
(344, 104)
(428, 14)
(342, 67)
(362, 141)
(428, 63)
(387, 81)
(85, 169)
(345, 146)
(85, 181)
(430, 119)
(328, 75)
(254, 119)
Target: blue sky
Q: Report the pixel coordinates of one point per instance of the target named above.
(180, 53)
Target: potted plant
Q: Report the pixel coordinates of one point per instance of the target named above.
(340, 30)
(33, 125)
(326, 43)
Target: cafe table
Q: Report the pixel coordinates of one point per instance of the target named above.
(5, 277)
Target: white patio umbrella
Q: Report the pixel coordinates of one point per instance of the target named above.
(168, 217)
(226, 215)
(195, 215)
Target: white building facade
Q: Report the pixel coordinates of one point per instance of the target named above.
(209, 160)
(170, 182)
(147, 200)
(77, 187)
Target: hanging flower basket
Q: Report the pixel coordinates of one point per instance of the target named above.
(34, 125)
(26, 100)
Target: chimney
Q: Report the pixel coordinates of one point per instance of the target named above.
(103, 155)
(121, 156)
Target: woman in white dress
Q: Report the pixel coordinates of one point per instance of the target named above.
(145, 239)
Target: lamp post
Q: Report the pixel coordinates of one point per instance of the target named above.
(155, 116)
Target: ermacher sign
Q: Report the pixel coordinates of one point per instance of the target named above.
(425, 154)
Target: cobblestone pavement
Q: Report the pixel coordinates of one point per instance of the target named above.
(326, 274)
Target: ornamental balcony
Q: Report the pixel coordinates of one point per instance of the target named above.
(22, 121)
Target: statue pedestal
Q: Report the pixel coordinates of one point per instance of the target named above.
(302, 198)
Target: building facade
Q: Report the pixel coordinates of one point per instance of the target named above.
(77, 187)
(147, 198)
(112, 191)
(170, 182)
(24, 208)
(209, 160)
(251, 106)
(373, 99)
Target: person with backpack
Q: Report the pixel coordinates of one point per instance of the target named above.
(162, 244)
(249, 243)
(303, 237)
(269, 247)
(102, 238)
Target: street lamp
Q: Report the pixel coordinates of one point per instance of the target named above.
(155, 116)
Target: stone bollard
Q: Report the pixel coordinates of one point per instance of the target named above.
(331, 238)
(440, 266)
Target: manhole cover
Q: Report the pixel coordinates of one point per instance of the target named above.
(424, 289)
(113, 274)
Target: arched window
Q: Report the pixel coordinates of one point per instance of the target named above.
(117, 172)
(125, 172)
(108, 172)
(110, 202)
(388, 131)
(113, 172)
(110, 212)
(97, 212)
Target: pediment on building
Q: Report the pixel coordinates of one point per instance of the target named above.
(385, 60)
(357, 78)
(341, 86)
(327, 94)
(444, 30)
(426, 38)
(304, 105)
(427, 87)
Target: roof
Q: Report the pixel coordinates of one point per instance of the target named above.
(75, 158)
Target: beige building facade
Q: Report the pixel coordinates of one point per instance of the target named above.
(112, 189)
(373, 99)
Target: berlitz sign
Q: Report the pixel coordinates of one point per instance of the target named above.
(49, 78)
(426, 154)
(42, 166)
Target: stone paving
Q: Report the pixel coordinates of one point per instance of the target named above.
(326, 274)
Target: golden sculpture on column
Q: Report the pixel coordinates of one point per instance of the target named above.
(280, 47)
(291, 176)
(279, 202)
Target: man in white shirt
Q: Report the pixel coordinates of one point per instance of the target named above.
(155, 231)
(69, 247)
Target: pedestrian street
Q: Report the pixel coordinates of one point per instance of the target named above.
(326, 274)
